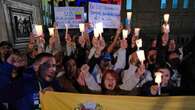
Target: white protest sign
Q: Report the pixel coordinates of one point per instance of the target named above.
(72, 16)
(108, 14)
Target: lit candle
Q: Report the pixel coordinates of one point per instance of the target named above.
(51, 31)
(141, 55)
(99, 27)
(166, 18)
(82, 27)
(137, 30)
(158, 80)
(39, 30)
(96, 33)
(129, 14)
(139, 43)
(125, 33)
(66, 26)
(158, 77)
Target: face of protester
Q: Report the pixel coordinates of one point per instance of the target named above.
(134, 59)
(5, 50)
(165, 76)
(105, 64)
(152, 54)
(174, 60)
(110, 82)
(48, 69)
(71, 67)
(154, 42)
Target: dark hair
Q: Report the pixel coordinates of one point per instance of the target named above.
(5, 43)
(41, 55)
(164, 66)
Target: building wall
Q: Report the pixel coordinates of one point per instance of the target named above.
(148, 16)
(6, 24)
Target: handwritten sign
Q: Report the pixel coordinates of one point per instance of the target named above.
(108, 14)
(72, 16)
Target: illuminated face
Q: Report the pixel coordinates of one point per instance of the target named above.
(71, 67)
(48, 69)
(109, 82)
(165, 76)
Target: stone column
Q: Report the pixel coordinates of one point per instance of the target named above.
(3, 28)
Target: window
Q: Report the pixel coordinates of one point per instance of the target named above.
(163, 4)
(185, 3)
(194, 4)
(175, 4)
(129, 5)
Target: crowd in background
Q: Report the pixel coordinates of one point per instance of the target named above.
(88, 64)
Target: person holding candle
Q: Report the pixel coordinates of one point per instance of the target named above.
(166, 86)
(162, 48)
(70, 46)
(136, 75)
(120, 54)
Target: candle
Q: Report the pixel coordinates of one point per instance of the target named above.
(96, 33)
(99, 27)
(129, 14)
(139, 43)
(137, 30)
(158, 77)
(82, 27)
(51, 31)
(166, 18)
(141, 55)
(125, 33)
(158, 80)
(39, 30)
(66, 26)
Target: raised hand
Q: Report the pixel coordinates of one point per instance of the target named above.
(82, 41)
(16, 60)
(123, 44)
(154, 89)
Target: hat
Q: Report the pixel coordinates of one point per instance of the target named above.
(106, 56)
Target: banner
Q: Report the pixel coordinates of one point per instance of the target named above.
(71, 16)
(70, 101)
(108, 14)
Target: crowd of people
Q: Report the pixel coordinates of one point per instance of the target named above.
(87, 64)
